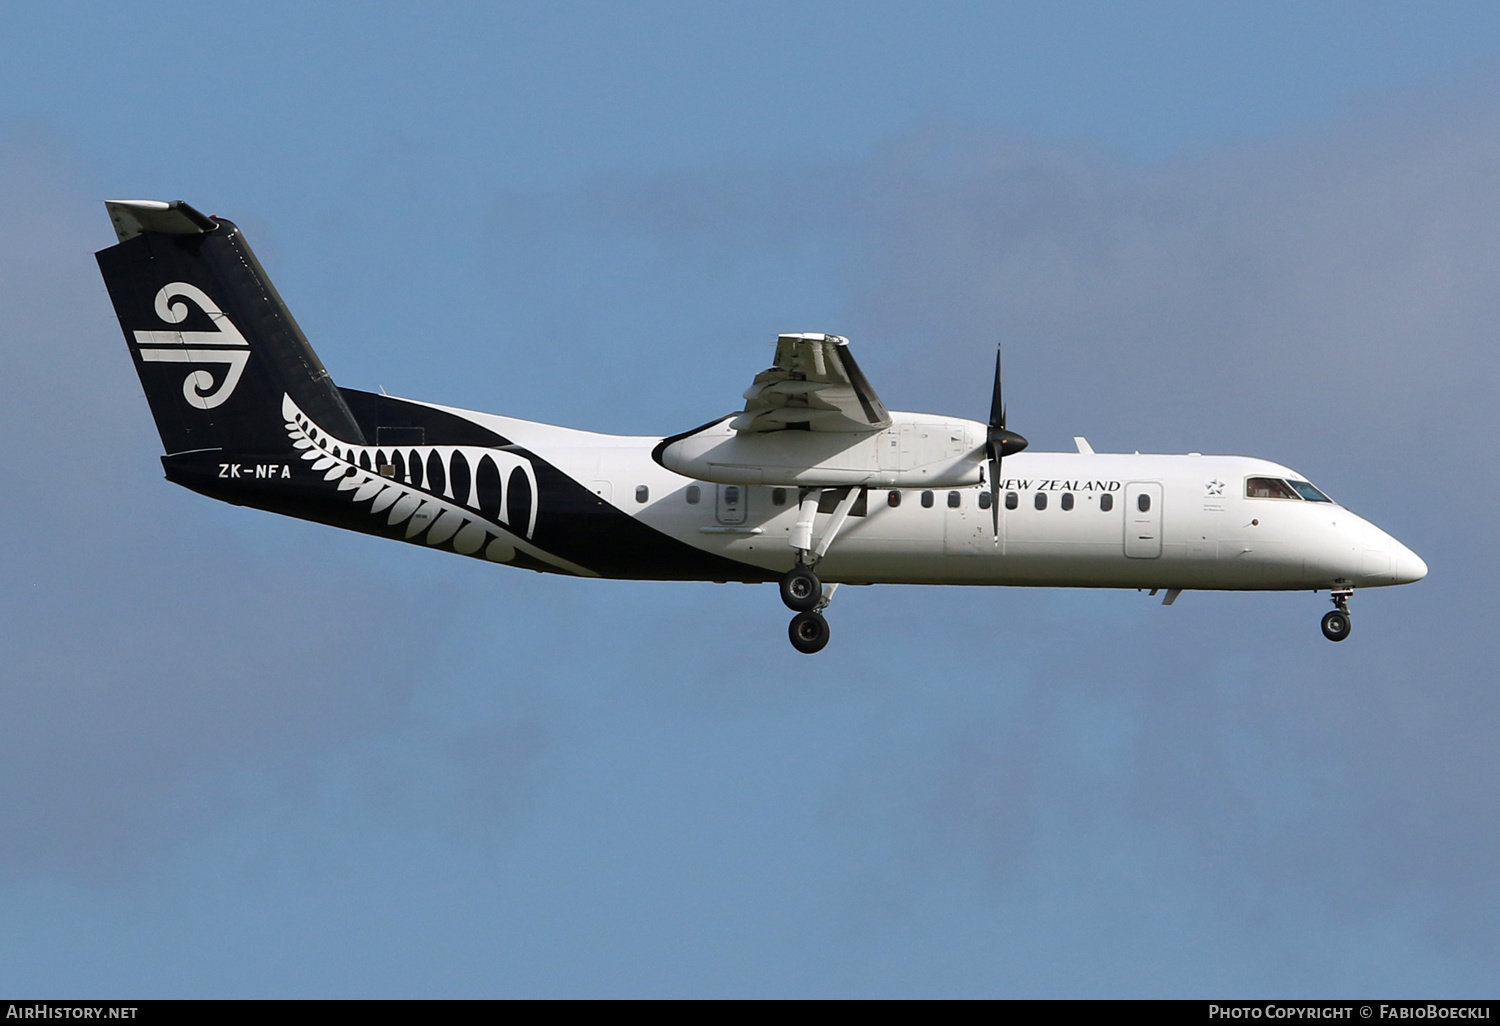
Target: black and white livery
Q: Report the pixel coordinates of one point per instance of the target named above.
(813, 483)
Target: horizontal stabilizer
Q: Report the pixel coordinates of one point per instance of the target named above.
(170, 217)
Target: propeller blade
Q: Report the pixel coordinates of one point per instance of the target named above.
(1001, 442)
(997, 404)
(995, 490)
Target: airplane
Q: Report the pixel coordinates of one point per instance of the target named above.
(812, 483)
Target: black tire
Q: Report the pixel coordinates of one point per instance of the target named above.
(1336, 625)
(809, 632)
(801, 589)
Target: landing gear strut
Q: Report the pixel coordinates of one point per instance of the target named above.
(1337, 625)
(801, 590)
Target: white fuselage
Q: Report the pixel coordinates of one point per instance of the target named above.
(1195, 528)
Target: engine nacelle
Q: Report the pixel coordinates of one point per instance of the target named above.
(916, 451)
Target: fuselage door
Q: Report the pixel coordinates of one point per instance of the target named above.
(730, 504)
(1142, 520)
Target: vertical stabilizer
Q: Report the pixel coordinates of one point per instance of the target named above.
(215, 347)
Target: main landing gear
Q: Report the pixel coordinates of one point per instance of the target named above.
(803, 592)
(1336, 625)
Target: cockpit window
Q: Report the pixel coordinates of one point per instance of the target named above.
(1308, 492)
(1269, 488)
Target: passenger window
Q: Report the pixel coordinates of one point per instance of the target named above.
(1268, 488)
(731, 495)
(642, 493)
(694, 493)
(1143, 502)
(953, 500)
(1067, 500)
(893, 499)
(778, 496)
(926, 500)
(984, 500)
(1012, 500)
(1106, 502)
(1041, 500)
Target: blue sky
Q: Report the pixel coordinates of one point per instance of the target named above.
(1259, 228)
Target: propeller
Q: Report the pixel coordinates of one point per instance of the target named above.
(999, 444)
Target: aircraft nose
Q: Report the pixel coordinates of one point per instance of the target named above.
(1407, 565)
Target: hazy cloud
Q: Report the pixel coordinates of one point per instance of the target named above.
(150, 646)
(1328, 301)
(1325, 301)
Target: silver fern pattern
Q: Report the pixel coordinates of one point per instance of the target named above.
(473, 500)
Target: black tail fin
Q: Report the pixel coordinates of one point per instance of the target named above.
(214, 344)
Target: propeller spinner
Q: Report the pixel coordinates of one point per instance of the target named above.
(999, 444)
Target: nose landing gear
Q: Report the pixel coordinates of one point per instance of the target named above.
(1336, 625)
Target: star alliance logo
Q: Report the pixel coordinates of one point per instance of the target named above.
(1215, 487)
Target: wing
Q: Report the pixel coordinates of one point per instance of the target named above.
(814, 385)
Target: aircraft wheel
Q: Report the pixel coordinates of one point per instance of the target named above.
(1336, 625)
(809, 632)
(801, 589)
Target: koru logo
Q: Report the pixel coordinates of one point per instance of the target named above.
(224, 345)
